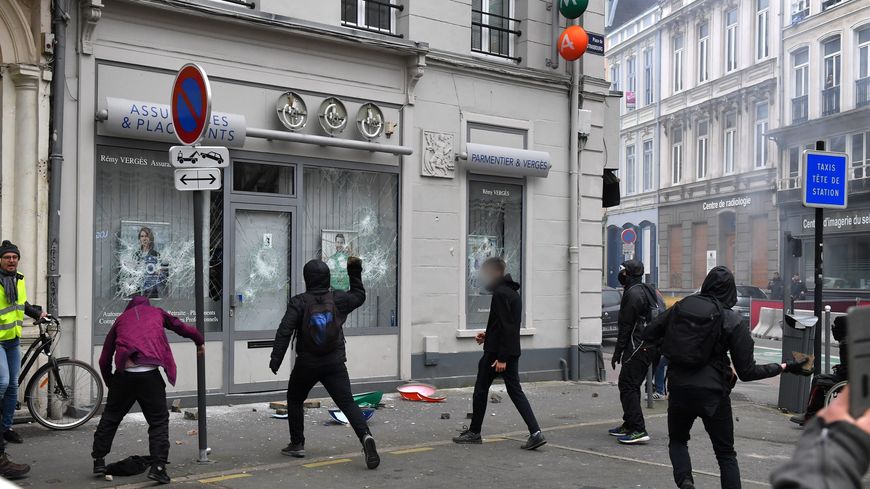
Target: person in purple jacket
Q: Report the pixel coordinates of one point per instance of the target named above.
(139, 345)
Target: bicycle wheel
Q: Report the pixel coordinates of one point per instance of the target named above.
(835, 391)
(66, 398)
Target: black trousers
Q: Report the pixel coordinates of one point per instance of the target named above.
(631, 377)
(336, 382)
(714, 409)
(486, 374)
(125, 389)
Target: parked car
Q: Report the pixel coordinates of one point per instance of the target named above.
(745, 294)
(610, 300)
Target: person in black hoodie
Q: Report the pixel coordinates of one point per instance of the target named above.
(703, 391)
(501, 354)
(635, 355)
(315, 364)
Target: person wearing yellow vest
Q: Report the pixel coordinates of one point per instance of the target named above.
(13, 308)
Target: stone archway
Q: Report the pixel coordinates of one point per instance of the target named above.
(17, 44)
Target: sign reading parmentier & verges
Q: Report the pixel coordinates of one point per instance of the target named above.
(136, 119)
(511, 162)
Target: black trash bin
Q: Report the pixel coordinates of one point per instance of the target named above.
(797, 335)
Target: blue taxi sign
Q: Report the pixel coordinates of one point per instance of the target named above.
(825, 179)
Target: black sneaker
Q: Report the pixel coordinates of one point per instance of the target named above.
(634, 437)
(536, 440)
(158, 474)
(296, 450)
(100, 466)
(12, 436)
(687, 484)
(371, 452)
(798, 419)
(468, 437)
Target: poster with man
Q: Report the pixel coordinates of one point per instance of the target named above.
(336, 247)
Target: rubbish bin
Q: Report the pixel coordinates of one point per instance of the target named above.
(797, 335)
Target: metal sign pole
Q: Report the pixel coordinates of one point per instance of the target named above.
(818, 288)
(199, 291)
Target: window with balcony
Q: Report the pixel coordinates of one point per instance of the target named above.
(729, 141)
(861, 155)
(647, 76)
(731, 40)
(794, 162)
(677, 155)
(703, 52)
(678, 49)
(800, 9)
(762, 9)
(370, 15)
(862, 84)
(831, 73)
(493, 28)
(631, 83)
(800, 89)
(630, 170)
(702, 150)
(648, 165)
(761, 123)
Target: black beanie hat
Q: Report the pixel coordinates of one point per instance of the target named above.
(8, 247)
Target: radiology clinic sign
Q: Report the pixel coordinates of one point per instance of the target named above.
(135, 119)
(508, 162)
(726, 203)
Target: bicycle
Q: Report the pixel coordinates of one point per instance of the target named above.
(63, 393)
(835, 391)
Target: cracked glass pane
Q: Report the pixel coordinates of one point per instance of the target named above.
(355, 213)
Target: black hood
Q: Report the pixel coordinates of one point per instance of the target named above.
(633, 272)
(506, 281)
(316, 275)
(720, 285)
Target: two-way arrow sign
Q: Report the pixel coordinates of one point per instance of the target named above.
(200, 179)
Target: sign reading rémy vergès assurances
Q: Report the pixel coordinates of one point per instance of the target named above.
(509, 162)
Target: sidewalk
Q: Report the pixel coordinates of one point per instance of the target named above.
(415, 445)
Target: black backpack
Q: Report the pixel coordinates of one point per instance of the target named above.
(321, 328)
(694, 332)
(653, 307)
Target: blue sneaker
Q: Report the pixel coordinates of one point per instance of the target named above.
(634, 437)
(618, 431)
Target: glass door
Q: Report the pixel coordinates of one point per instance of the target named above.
(261, 279)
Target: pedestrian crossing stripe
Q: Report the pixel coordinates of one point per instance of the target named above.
(223, 478)
(325, 463)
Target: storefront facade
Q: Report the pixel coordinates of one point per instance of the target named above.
(642, 243)
(412, 201)
(701, 233)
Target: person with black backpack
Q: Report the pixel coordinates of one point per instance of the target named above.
(640, 305)
(697, 335)
(314, 320)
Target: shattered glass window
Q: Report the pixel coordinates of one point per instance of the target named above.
(495, 228)
(143, 243)
(355, 213)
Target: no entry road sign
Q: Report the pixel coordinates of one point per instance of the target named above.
(191, 104)
(825, 179)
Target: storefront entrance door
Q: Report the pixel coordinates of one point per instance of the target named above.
(261, 279)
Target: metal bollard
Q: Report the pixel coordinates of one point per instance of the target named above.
(827, 316)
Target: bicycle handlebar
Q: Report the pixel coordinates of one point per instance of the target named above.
(47, 320)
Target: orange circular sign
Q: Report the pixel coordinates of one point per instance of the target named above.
(573, 42)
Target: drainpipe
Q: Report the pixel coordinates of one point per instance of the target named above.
(574, 219)
(55, 150)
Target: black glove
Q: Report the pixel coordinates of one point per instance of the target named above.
(617, 358)
(274, 365)
(797, 367)
(354, 264)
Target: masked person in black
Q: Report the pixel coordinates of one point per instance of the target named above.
(501, 355)
(314, 320)
(697, 335)
(640, 304)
